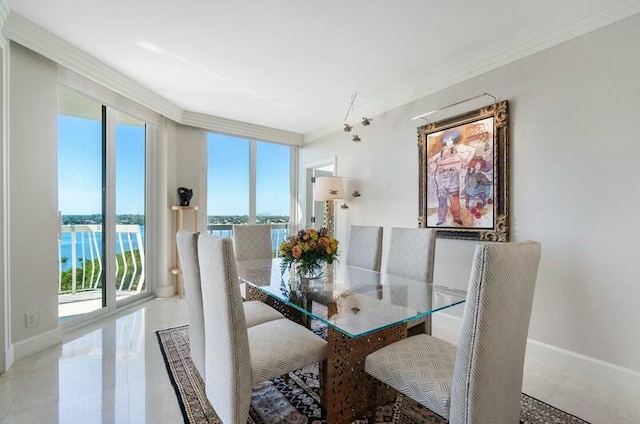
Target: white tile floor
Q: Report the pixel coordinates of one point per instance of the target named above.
(109, 372)
(112, 372)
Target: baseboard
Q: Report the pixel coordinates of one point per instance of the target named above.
(36, 344)
(625, 379)
(9, 358)
(166, 291)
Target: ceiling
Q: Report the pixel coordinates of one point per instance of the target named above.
(294, 65)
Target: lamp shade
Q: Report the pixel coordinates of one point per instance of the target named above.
(328, 188)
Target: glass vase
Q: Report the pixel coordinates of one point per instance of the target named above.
(310, 271)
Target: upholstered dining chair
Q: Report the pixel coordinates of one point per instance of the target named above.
(479, 381)
(365, 247)
(255, 311)
(252, 241)
(412, 255)
(237, 357)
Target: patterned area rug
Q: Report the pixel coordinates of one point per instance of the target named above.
(294, 398)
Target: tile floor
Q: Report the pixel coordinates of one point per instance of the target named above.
(112, 372)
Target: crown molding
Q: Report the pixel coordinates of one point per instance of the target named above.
(590, 21)
(238, 128)
(4, 12)
(19, 29)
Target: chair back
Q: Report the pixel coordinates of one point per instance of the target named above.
(365, 247)
(187, 242)
(227, 356)
(412, 253)
(487, 375)
(252, 241)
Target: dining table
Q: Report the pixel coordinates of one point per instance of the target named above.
(362, 310)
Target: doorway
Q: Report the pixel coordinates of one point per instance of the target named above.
(102, 180)
(314, 209)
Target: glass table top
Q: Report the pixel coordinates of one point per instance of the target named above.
(352, 300)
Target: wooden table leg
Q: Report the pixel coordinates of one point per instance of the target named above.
(345, 385)
(346, 388)
(286, 310)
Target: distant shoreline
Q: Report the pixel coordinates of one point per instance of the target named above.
(74, 219)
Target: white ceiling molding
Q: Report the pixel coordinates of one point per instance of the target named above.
(21, 30)
(605, 15)
(231, 127)
(4, 14)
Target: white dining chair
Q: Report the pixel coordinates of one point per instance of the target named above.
(238, 357)
(365, 247)
(252, 241)
(479, 381)
(255, 311)
(412, 255)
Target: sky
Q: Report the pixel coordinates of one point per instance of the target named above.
(80, 167)
(228, 177)
(80, 171)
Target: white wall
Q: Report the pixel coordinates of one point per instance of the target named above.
(166, 154)
(4, 309)
(575, 185)
(187, 153)
(33, 202)
(191, 170)
(33, 207)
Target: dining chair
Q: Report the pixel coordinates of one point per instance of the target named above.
(479, 381)
(412, 255)
(252, 241)
(365, 247)
(237, 357)
(255, 311)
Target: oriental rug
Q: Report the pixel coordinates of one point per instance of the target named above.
(294, 398)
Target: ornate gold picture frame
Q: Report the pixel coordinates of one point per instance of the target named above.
(464, 175)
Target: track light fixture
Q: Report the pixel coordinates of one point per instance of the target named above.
(365, 120)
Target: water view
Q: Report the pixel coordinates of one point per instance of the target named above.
(88, 234)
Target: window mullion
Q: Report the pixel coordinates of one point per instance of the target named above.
(109, 226)
(252, 181)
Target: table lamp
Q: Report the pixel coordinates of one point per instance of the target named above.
(328, 189)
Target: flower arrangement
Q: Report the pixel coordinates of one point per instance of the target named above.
(309, 249)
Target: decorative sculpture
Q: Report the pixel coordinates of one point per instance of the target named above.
(184, 196)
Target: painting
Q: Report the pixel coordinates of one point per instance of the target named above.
(464, 175)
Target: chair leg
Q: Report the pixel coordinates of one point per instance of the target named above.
(385, 394)
(422, 328)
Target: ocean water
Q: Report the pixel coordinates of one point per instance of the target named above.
(278, 237)
(85, 240)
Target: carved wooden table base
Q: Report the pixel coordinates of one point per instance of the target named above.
(345, 385)
(286, 310)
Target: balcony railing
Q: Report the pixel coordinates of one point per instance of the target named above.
(86, 265)
(279, 233)
(84, 245)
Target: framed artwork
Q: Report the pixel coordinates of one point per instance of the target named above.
(464, 175)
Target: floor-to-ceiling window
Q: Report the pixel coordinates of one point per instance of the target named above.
(248, 182)
(130, 183)
(101, 194)
(80, 202)
(228, 178)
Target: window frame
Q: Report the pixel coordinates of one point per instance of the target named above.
(253, 182)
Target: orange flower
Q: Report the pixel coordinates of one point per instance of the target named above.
(296, 251)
